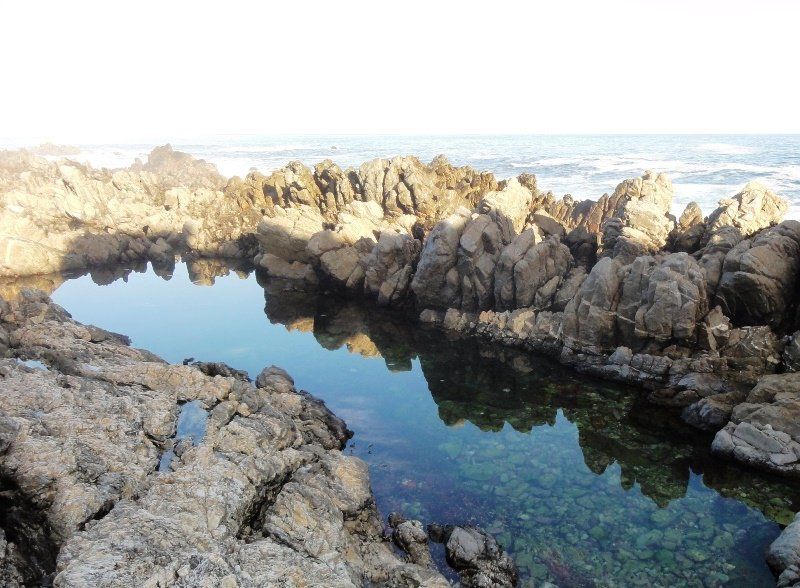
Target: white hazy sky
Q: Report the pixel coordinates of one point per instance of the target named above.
(118, 71)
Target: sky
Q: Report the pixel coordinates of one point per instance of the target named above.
(141, 70)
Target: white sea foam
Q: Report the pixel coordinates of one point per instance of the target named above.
(791, 172)
(726, 148)
(264, 148)
(547, 161)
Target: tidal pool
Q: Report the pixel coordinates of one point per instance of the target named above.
(583, 483)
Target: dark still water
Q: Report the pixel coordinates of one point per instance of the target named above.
(580, 482)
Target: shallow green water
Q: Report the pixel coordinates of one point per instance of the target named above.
(582, 483)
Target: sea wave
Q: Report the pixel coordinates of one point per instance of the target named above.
(244, 149)
(726, 148)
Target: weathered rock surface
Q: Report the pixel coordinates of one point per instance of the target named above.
(530, 273)
(689, 230)
(264, 498)
(476, 556)
(752, 209)
(764, 430)
(760, 277)
(63, 215)
(9, 573)
(695, 310)
(436, 282)
(784, 555)
(411, 537)
(641, 223)
(389, 267)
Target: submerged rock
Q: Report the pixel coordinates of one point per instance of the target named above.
(476, 556)
(410, 536)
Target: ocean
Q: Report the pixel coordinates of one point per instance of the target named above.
(703, 168)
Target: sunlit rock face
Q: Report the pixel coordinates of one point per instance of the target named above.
(64, 215)
(641, 221)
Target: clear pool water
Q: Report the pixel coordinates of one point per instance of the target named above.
(582, 482)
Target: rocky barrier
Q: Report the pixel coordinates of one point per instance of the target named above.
(700, 311)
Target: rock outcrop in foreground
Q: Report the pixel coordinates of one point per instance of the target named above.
(262, 495)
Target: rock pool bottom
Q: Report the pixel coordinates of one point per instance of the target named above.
(581, 482)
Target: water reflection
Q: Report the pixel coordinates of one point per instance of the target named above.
(528, 487)
(578, 478)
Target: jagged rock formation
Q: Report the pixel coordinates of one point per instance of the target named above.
(696, 310)
(688, 231)
(641, 223)
(63, 215)
(749, 211)
(759, 275)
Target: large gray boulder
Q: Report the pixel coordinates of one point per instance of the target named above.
(286, 234)
(663, 300)
(337, 188)
(590, 318)
(477, 557)
(651, 303)
(294, 185)
(759, 277)
(783, 555)
(642, 222)
(389, 267)
(529, 274)
(508, 207)
(436, 283)
(479, 249)
(754, 208)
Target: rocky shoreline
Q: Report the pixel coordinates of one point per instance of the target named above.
(264, 497)
(700, 311)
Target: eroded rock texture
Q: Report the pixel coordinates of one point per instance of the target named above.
(64, 215)
(264, 498)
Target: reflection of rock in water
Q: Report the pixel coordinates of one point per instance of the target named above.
(205, 271)
(287, 306)
(338, 323)
(490, 386)
(10, 288)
